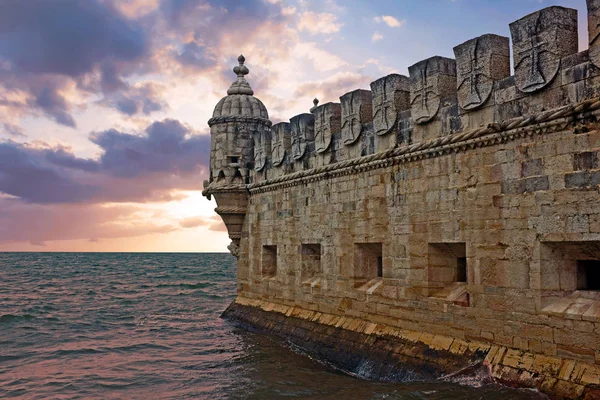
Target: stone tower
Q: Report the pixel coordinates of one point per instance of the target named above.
(236, 120)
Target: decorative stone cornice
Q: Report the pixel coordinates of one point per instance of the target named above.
(239, 119)
(545, 122)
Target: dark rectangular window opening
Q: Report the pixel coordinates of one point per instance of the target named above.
(588, 275)
(311, 260)
(368, 262)
(461, 269)
(234, 160)
(447, 264)
(269, 261)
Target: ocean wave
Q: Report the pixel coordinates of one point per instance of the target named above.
(8, 318)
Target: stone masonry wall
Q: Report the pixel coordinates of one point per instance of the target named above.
(460, 202)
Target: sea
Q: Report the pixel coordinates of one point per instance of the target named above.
(148, 326)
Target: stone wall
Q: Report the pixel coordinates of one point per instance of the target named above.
(458, 202)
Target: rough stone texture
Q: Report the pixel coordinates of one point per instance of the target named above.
(328, 120)
(593, 7)
(281, 143)
(357, 110)
(430, 81)
(462, 228)
(302, 134)
(480, 62)
(391, 96)
(540, 40)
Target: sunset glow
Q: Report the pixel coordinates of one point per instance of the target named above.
(104, 141)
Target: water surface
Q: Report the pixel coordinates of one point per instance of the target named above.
(147, 326)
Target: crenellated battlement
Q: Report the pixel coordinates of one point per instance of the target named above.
(442, 97)
(442, 219)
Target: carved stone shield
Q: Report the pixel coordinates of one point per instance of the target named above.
(430, 80)
(328, 120)
(390, 97)
(260, 157)
(303, 126)
(280, 142)
(593, 7)
(357, 109)
(480, 62)
(540, 40)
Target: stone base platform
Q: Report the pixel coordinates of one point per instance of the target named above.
(403, 355)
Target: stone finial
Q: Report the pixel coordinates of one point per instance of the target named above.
(280, 142)
(430, 81)
(315, 105)
(480, 62)
(540, 40)
(593, 7)
(391, 96)
(241, 85)
(302, 132)
(357, 109)
(328, 120)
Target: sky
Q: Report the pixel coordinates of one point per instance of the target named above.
(104, 142)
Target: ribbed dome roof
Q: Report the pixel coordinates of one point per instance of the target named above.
(240, 105)
(240, 100)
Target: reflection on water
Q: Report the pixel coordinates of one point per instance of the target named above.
(147, 326)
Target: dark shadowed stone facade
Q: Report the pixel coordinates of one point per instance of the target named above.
(445, 220)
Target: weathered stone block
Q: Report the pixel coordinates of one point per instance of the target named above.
(280, 142)
(540, 40)
(328, 120)
(480, 62)
(302, 132)
(357, 109)
(430, 81)
(391, 96)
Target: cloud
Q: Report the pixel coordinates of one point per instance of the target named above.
(376, 36)
(333, 88)
(131, 167)
(37, 224)
(144, 98)
(315, 23)
(13, 130)
(390, 21)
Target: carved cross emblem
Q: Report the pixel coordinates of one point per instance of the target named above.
(425, 100)
(302, 131)
(531, 51)
(390, 97)
(280, 142)
(472, 76)
(480, 62)
(327, 121)
(259, 151)
(540, 40)
(356, 109)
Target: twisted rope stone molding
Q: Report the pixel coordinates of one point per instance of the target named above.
(548, 121)
(230, 210)
(239, 119)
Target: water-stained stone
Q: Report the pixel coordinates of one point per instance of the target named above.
(302, 126)
(540, 40)
(328, 120)
(593, 7)
(357, 109)
(391, 96)
(430, 81)
(480, 62)
(280, 142)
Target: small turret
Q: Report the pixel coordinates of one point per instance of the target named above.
(237, 119)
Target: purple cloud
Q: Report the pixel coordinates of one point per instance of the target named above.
(131, 167)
